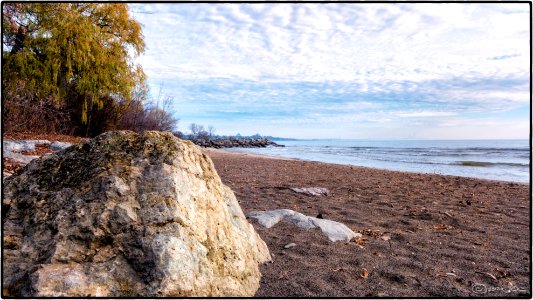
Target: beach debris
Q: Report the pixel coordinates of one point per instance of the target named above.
(290, 245)
(335, 231)
(112, 217)
(312, 191)
(364, 274)
(442, 227)
(451, 274)
(371, 233)
(385, 237)
(361, 241)
(503, 273)
(488, 274)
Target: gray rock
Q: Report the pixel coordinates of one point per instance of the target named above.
(126, 215)
(56, 146)
(290, 245)
(335, 231)
(17, 146)
(19, 158)
(313, 191)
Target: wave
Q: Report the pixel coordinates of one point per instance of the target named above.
(521, 149)
(469, 163)
(466, 163)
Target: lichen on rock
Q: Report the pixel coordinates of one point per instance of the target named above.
(126, 214)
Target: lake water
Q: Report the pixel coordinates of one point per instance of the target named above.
(490, 159)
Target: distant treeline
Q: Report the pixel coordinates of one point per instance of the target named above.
(199, 132)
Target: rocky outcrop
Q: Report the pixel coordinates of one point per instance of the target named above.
(235, 142)
(126, 215)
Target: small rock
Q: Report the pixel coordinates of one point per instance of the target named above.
(312, 191)
(56, 146)
(290, 245)
(335, 231)
(385, 237)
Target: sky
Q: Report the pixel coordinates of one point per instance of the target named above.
(352, 70)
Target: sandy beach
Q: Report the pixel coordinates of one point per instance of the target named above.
(424, 235)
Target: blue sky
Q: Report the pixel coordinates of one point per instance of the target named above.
(362, 71)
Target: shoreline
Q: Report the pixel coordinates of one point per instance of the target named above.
(424, 235)
(245, 154)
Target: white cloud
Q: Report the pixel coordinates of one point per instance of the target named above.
(379, 62)
(336, 42)
(424, 114)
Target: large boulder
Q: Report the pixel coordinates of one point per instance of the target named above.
(126, 215)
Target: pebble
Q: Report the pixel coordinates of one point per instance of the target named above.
(289, 245)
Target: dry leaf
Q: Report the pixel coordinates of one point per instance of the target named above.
(369, 232)
(488, 274)
(442, 227)
(361, 241)
(503, 273)
(378, 254)
(364, 275)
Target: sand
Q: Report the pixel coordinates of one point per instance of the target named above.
(424, 235)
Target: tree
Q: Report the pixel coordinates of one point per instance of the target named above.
(211, 130)
(75, 55)
(195, 128)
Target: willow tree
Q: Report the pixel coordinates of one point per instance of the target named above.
(75, 54)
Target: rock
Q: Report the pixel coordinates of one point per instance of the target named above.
(234, 142)
(9, 149)
(313, 191)
(56, 146)
(126, 215)
(17, 146)
(335, 231)
(19, 158)
(290, 245)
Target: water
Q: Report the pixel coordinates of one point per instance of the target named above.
(506, 160)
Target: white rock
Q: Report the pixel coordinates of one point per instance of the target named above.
(127, 215)
(56, 146)
(19, 158)
(313, 191)
(270, 218)
(289, 245)
(335, 231)
(22, 145)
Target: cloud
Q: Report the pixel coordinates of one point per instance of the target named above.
(324, 63)
(504, 57)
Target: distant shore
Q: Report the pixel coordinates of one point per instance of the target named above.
(425, 235)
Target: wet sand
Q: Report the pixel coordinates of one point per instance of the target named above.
(424, 235)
